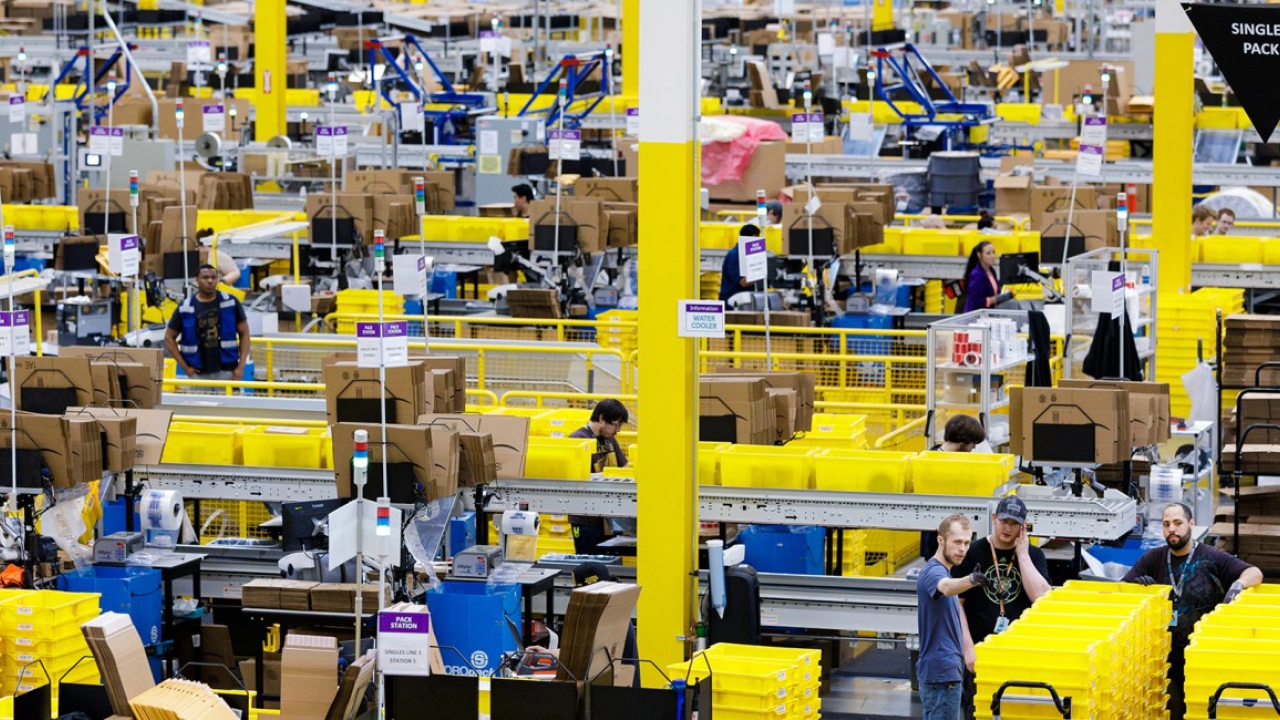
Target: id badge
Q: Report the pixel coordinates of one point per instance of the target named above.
(1002, 624)
(1173, 623)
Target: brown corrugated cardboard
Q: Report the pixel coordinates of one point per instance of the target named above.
(140, 371)
(309, 676)
(735, 409)
(510, 437)
(766, 171)
(534, 303)
(624, 226)
(355, 684)
(795, 227)
(119, 436)
(1097, 227)
(1149, 406)
(121, 659)
(351, 390)
(1070, 425)
(784, 407)
(350, 205)
(477, 464)
(405, 444)
(64, 376)
(596, 627)
(621, 190)
(586, 214)
(270, 677)
(802, 383)
(1013, 194)
(1046, 200)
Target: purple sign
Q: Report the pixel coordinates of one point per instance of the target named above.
(403, 622)
(1117, 283)
(16, 100)
(16, 318)
(100, 131)
(129, 242)
(702, 308)
(368, 330)
(564, 134)
(1091, 149)
(324, 131)
(751, 247)
(386, 330)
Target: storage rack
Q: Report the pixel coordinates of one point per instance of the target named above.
(942, 373)
(1082, 321)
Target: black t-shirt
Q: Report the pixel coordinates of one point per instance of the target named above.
(208, 332)
(982, 605)
(1205, 575)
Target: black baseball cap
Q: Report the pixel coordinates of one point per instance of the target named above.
(1012, 508)
(590, 573)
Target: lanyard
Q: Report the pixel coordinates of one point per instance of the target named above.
(995, 570)
(1178, 582)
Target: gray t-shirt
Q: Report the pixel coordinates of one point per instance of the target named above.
(604, 446)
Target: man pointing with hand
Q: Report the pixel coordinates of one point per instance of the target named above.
(941, 665)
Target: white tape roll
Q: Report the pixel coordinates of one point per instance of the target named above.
(162, 510)
(520, 522)
(972, 359)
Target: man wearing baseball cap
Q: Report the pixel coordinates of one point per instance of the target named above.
(1018, 573)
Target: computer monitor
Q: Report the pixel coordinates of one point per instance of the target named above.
(1051, 245)
(73, 256)
(303, 525)
(94, 223)
(1011, 265)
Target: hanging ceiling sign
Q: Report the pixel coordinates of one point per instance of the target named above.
(1244, 41)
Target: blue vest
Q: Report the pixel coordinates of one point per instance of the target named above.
(189, 343)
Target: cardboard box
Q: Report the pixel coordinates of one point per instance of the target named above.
(596, 625)
(406, 443)
(766, 171)
(441, 387)
(119, 436)
(510, 437)
(538, 303)
(350, 205)
(52, 384)
(351, 392)
(96, 201)
(193, 109)
(623, 225)
(1013, 194)
(309, 676)
(1051, 199)
(139, 371)
(801, 383)
(586, 214)
(795, 227)
(478, 464)
(735, 409)
(1070, 425)
(614, 190)
(1149, 412)
(1098, 227)
(784, 407)
(121, 659)
(270, 676)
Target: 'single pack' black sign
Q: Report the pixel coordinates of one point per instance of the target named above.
(1245, 42)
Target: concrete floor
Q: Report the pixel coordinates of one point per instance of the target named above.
(876, 684)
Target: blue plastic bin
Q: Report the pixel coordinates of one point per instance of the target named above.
(132, 590)
(479, 619)
(791, 549)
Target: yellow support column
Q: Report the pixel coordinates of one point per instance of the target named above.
(669, 205)
(270, 30)
(1171, 171)
(630, 48)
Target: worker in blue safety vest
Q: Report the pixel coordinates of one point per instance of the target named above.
(208, 335)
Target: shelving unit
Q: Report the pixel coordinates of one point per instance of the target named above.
(1082, 322)
(946, 380)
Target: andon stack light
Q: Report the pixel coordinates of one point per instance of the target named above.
(760, 206)
(420, 194)
(133, 188)
(383, 527)
(379, 252)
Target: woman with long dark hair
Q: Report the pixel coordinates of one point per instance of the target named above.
(981, 286)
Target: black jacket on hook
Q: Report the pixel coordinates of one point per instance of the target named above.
(1041, 345)
(1103, 360)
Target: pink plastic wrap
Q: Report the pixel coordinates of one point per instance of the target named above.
(727, 161)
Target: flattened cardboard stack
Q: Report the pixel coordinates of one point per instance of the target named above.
(309, 676)
(478, 464)
(139, 372)
(70, 446)
(586, 214)
(1070, 425)
(736, 409)
(510, 437)
(1249, 341)
(277, 593)
(801, 384)
(121, 659)
(412, 444)
(595, 630)
(536, 303)
(350, 390)
(1148, 407)
(178, 699)
(351, 691)
(52, 384)
(1259, 511)
(341, 597)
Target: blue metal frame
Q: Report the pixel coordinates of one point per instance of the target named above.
(907, 69)
(81, 99)
(574, 70)
(465, 103)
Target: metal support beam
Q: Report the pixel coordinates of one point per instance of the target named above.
(270, 65)
(670, 32)
(1171, 189)
(630, 48)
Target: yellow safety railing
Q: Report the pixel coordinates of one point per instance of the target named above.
(907, 433)
(230, 386)
(1272, 224)
(461, 326)
(489, 397)
(1018, 223)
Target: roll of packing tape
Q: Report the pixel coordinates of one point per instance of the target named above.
(162, 509)
(519, 522)
(972, 359)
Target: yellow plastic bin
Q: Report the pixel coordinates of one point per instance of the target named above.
(203, 444)
(47, 614)
(941, 473)
(709, 462)
(559, 458)
(536, 415)
(767, 466)
(280, 446)
(862, 471)
(559, 423)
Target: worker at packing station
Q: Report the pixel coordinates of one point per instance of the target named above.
(521, 197)
(940, 668)
(1018, 573)
(981, 286)
(962, 434)
(1202, 217)
(208, 335)
(1201, 576)
(731, 280)
(1226, 221)
(607, 418)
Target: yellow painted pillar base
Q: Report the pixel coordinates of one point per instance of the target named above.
(882, 16)
(270, 69)
(1174, 135)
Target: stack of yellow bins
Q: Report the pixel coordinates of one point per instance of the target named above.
(1102, 645)
(1236, 643)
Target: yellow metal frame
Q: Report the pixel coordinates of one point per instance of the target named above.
(1174, 130)
(271, 68)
